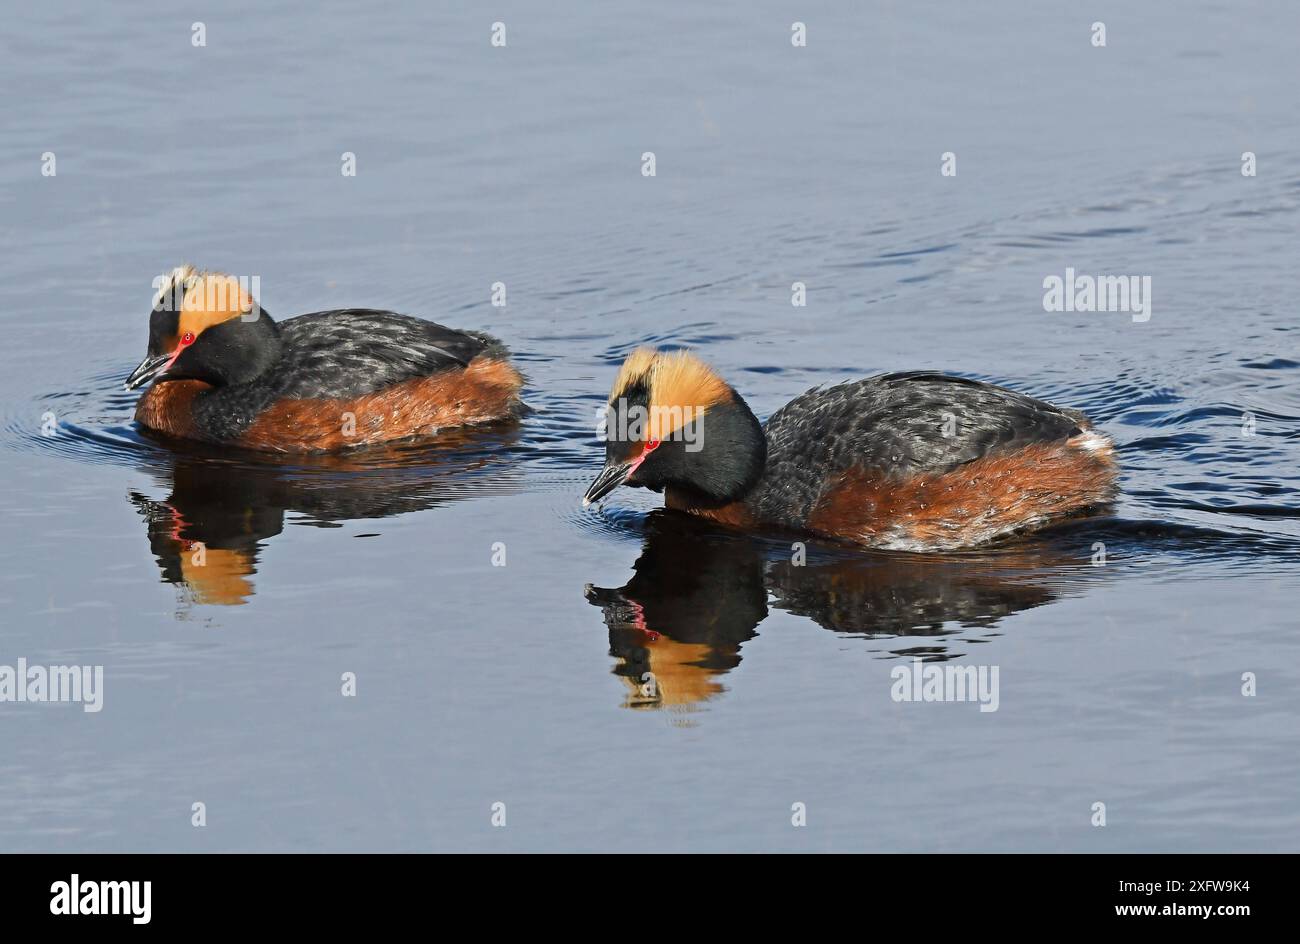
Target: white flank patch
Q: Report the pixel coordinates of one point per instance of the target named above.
(1093, 441)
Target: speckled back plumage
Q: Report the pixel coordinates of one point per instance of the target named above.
(893, 425)
(341, 355)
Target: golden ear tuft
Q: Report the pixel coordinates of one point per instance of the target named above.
(205, 298)
(634, 372)
(174, 284)
(682, 379)
(681, 387)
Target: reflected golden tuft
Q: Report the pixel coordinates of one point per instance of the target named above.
(222, 579)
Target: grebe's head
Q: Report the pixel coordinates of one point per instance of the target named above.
(205, 326)
(673, 422)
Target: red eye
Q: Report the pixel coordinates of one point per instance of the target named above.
(187, 338)
(652, 445)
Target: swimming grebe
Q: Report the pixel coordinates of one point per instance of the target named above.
(223, 371)
(912, 461)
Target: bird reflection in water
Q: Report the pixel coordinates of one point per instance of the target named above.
(223, 507)
(698, 593)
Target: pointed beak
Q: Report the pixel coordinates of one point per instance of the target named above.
(610, 478)
(150, 368)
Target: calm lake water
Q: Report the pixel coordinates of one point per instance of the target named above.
(477, 684)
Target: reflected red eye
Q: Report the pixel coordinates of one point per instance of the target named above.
(652, 445)
(187, 338)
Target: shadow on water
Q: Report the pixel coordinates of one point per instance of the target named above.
(698, 593)
(220, 510)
